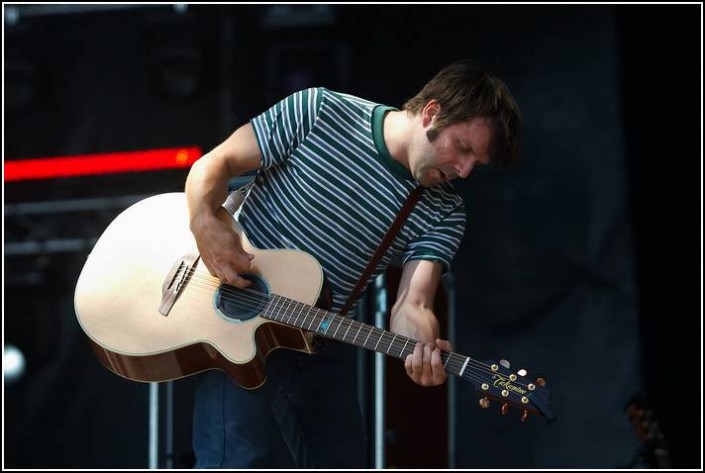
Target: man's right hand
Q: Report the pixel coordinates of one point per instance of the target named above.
(221, 248)
(206, 189)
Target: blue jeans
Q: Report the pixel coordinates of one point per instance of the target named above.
(306, 415)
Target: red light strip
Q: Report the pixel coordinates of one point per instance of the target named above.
(108, 163)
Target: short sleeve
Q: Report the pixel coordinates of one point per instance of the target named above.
(441, 242)
(284, 126)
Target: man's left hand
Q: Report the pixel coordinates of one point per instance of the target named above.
(424, 366)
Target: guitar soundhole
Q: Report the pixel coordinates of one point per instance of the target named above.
(242, 304)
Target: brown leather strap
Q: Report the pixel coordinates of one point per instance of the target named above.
(389, 237)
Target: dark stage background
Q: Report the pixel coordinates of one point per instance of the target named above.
(583, 264)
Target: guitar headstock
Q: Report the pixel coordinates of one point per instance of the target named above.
(495, 381)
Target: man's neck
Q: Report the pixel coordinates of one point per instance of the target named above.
(397, 126)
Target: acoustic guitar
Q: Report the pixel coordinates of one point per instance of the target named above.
(153, 312)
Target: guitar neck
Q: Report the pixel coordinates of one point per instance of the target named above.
(345, 329)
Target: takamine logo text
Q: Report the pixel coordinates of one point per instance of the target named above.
(504, 383)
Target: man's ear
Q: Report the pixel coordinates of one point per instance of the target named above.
(430, 110)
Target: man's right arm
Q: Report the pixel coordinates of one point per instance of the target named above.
(206, 190)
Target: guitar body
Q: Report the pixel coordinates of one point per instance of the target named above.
(122, 287)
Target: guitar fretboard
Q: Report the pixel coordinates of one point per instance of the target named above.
(344, 329)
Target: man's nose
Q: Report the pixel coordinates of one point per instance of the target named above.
(465, 168)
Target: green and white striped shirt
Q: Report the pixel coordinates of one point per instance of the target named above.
(328, 186)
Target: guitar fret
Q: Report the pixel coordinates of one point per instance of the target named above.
(269, 308)
(327, 325)
(284, 307)
(313, 319)
(353, 324)
(288, 320)
(326, 322)
(338, 327)
(272, 307)
(380, 339)
(404, 347)
(390, 345)
(292, 309)
(321, 318)
(356, 333)
(364, 344)
(346, 331)
(296, 320)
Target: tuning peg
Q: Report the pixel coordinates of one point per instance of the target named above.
(541, 381)
(504, 408)
(484, 403)
(522, 372)
(524, 415)
(505, 363)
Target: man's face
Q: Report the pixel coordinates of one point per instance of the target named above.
(453, 152)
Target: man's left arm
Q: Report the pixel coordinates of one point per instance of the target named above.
(413, 316)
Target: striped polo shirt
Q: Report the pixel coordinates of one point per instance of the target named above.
(328, 186)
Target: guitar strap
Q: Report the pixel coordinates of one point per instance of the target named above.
(388, 238)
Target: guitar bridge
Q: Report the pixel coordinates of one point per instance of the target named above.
(176, 280)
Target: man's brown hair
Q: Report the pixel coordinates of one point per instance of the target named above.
(464, 91)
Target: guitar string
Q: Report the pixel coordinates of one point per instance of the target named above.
(211, 283)
(396, 344)
(399, 345)
(255, 298)
(471, 373)
(207, 278)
